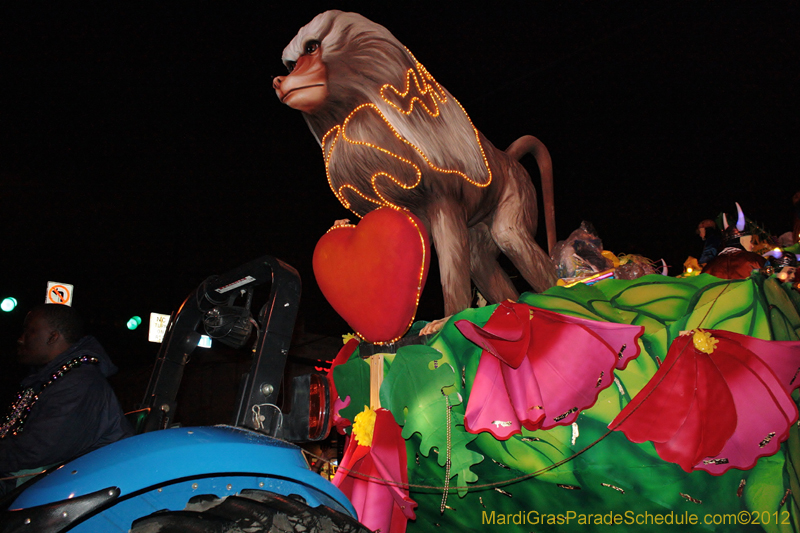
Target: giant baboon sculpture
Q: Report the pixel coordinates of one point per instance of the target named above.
(392, 136)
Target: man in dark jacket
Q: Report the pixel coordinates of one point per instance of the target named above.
(67, 407)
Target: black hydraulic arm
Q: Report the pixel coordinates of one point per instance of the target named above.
(277, 318)
(276, 325)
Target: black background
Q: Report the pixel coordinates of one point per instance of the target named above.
(142, 147)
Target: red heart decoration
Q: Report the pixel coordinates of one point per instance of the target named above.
(372, 274)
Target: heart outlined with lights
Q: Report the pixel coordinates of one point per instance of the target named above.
(373, 273)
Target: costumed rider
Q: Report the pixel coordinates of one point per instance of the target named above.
(736, 260)
(707, 230)
(66, 407)
(784, 265)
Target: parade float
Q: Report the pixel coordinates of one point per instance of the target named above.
(625, 402)
(674, 431)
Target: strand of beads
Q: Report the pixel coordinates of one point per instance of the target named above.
(19, 410)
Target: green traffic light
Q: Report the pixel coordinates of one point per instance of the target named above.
(8, 304)
(134, 322)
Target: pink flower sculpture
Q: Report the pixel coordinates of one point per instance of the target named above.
(719, 401)
(539, 369)
(373, 473)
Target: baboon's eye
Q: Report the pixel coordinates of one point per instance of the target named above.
(311, 47)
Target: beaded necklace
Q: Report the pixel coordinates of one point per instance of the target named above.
(21, 407)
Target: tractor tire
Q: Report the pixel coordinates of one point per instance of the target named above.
(248, 512)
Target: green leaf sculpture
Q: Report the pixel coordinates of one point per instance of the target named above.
(419, 391)
(352, 379)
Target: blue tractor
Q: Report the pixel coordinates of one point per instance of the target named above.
(243, 477)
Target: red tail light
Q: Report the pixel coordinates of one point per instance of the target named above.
(319, 420)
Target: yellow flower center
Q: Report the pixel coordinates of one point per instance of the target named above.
(364, 426)
(704, 342)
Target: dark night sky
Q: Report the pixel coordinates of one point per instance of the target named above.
(143, 149)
